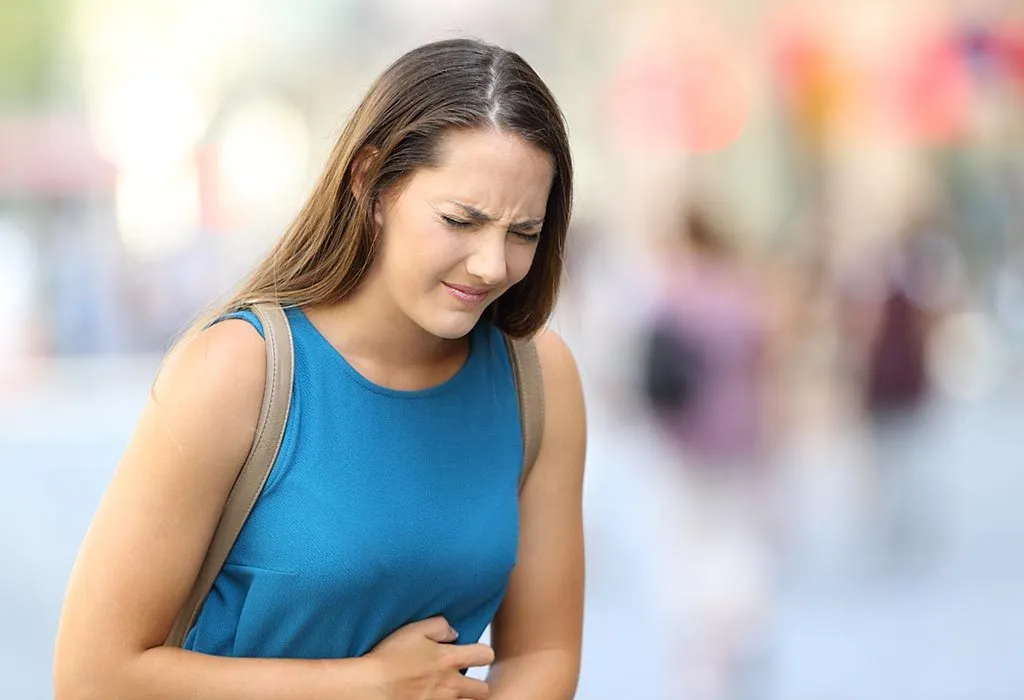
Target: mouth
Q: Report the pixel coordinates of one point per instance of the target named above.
(471, 296)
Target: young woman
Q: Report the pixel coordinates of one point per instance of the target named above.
(391, 531)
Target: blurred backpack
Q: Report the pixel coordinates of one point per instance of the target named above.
(672, 367)
(897, 375)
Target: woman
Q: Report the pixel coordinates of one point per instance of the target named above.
(391, 525)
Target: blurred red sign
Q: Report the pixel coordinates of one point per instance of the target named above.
(51, 155)
(690, 99)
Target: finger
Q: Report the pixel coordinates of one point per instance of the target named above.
(471, 655)
(437, 629)
(472, 689)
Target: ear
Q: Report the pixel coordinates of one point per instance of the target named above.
(360, 167)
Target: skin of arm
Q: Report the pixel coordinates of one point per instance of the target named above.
(537, 632)
(149, 536)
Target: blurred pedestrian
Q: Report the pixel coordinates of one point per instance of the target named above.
(705, 381)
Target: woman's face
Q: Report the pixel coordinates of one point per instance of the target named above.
(458, 235)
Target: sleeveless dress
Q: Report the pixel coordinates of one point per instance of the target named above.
(384, 507)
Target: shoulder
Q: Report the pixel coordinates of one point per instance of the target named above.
(563, 390)
(558, 365)
(221, 368)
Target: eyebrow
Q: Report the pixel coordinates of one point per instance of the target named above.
(478, 217)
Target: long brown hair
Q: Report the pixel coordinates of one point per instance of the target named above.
(454, 84)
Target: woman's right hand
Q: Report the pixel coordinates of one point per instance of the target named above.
(419, 662)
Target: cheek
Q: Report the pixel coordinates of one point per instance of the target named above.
(519, 259)
(422, 251)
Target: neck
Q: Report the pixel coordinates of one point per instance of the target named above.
(378, 338)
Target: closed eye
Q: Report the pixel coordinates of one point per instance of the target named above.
(526, 236)
(462, 225)
(456, 223)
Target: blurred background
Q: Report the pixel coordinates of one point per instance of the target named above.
(795, 290)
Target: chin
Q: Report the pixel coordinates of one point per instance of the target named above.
(450, 326)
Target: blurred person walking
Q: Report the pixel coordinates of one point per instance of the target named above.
(705, 379)
(891, 304)
(393, 528)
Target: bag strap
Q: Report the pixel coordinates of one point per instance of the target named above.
(530, 390)
(254, 472)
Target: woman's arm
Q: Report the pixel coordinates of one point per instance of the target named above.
(537, 632)
(150, 534)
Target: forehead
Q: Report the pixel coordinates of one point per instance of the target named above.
(496, 171)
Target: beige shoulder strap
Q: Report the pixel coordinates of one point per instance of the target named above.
(254, 473)
(530, 388)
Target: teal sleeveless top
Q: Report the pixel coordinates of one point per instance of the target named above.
(384, 507)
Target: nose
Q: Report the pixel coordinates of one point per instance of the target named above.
(487, 260)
